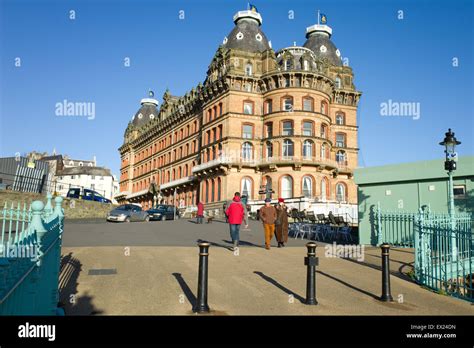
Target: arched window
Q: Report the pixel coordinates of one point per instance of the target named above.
(213, 190)
(268, 108)
(246, 187)
(287, 104)
(308, 149)
(269, 129)
(339, 119)
(341, 192)
(324, 108)
(247, 151)
(288, 148)
(269, 149)
(248, 69)
(307, 104)
(307, 186)
(323, 132)
(341, 157)
(286, 187)
(323, 151)
(338, 83)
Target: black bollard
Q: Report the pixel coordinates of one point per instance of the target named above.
(311, 261)
(386, 294)
(201, 303)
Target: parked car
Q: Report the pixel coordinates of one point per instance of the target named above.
(5, 186)
(163, 212)
(128, 213)
(87, 195)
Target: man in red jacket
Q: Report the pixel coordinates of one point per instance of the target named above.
(235, 213)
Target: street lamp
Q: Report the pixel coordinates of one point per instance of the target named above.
(450, 143)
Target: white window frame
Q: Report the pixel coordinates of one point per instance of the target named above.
(286, 192)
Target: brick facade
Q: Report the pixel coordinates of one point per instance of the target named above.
(249, 123)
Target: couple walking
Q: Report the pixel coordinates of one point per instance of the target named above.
(275, 220)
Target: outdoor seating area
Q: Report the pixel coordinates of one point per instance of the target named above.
(319, 227)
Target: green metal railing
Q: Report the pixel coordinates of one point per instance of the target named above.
(444, 253)
(395, 227)
(30, 252)
(444, 247)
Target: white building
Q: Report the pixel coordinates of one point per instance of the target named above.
(94, 178)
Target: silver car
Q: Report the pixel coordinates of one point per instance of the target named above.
(128, 213)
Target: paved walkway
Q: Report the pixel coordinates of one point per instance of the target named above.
(162, 280)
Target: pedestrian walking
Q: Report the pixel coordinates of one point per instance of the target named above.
(281, 223)
(245, 221)
(235, 213)
(268, 215)
(200, 213)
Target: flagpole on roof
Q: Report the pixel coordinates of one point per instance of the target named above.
(248, 5)
(318, 17)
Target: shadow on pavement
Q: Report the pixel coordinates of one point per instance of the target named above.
(245, 243)
(349, 285)
(70, 269)
(187, 291)
(399, 274)
(279, 286)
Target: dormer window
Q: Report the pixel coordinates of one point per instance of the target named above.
(305, 65)
(338, 82)
(248, 70)
(288, 64)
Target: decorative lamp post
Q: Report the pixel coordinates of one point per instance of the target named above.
(450, 143)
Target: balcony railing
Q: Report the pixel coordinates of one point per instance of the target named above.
(177, 182)
(303, 159)
(224, 160)
(211, 164)
(341, 165)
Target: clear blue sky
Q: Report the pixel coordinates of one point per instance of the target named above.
(81, 60)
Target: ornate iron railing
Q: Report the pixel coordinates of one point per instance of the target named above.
(444, 247)
(30, 252)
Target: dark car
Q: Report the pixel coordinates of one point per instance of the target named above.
(128, 213)
(87, 195)
(163, 212)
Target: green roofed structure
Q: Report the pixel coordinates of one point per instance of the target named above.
(409, 186)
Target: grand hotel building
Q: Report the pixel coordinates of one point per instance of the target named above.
(285, 120)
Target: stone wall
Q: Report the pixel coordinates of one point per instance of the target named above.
(79, 210)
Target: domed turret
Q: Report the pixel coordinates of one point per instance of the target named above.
(147, 112)
(247, 35)
(319, 41)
